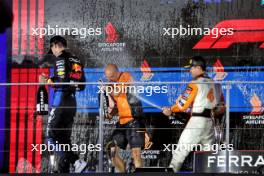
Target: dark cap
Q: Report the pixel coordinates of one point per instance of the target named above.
(57, 39)
(197, 61)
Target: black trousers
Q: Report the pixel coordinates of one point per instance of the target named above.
(60, 127)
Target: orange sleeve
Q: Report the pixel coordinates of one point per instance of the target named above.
(186, 99)
(126, 77)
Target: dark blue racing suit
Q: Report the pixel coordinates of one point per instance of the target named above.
(63, 111)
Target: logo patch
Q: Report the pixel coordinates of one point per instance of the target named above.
(76, 67)
(60, 73)
(76, 75)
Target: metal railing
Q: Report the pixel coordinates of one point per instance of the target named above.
(228, 85)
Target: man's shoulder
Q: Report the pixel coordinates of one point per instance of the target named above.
(72, 59)
(67, 55)
(192, 85)
(203, 79)
(198, 82)
(125, 76)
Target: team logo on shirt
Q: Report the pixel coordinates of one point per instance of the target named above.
(76, 67)
(61, 73)
(75, 75)
(187, 93)
(181, 103)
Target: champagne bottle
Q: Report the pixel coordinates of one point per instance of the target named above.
(42, 101)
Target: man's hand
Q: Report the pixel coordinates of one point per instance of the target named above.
(42, 78)
(148, 142)
(114, 92)
(110, 113)
(109, 116)
(166, 111)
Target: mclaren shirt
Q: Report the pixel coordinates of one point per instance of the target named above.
(200, 96)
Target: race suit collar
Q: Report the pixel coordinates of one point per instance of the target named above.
(203, 75)
(120, 74)
(64, 53)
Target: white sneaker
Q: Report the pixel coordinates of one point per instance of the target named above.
(79, 166)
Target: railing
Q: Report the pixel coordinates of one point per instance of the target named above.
(100, 167)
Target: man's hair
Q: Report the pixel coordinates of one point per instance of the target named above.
(197, 61)
(58, 40)
(112, 66)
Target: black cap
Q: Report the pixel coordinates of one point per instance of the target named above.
(197, 61)
(57, 39)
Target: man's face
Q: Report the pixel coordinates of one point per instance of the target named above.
(55, 49)
(111, 75)
(196, 71)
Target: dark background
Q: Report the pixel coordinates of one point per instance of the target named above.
(140, 22)
(139, 25)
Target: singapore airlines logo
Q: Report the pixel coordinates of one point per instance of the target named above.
(219, 70)
(256, 116)
(112, 35)
(111, 43)
(146, 71)
(256, 105)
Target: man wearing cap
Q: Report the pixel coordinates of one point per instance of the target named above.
(64, 105)
(202, 98)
